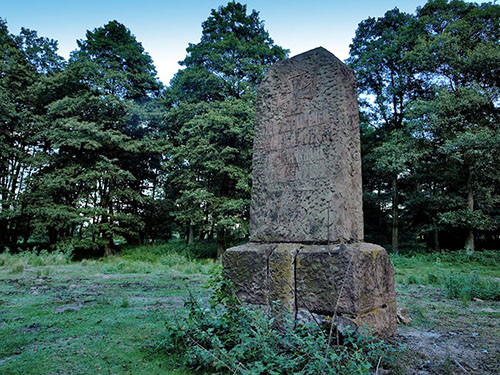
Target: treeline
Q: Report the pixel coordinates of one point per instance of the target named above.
(429, 86)
(95, 151)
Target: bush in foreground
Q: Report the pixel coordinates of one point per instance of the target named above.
(227, 337)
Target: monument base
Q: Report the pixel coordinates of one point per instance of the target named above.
(352, 282)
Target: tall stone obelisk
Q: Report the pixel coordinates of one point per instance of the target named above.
(306, 218)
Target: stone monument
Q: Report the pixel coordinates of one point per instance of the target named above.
(306, 248)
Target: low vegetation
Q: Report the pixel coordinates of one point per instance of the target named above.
(226, 337)
(459, 274)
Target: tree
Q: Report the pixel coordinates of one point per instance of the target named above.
(25, 60)
(103, 142)
(459, 54)
(387, 84)
(214, 162)
(117, 63)
(210, 121)
(235, 50)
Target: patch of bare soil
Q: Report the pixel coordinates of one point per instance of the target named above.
(447, 337)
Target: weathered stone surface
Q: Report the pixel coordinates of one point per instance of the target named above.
(353, 281)
(306, 163)
(282, 278)
(381, 320)
(247, 267)
(363, 269)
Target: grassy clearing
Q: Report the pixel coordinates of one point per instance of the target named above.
(106, 316)
(453, 300)
(460, 275)
(94, 316)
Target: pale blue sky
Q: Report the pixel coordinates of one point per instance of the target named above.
(165, 27)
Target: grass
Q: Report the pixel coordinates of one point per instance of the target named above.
(104, 316)
(453, 300)
(94, 316)
(461, 275)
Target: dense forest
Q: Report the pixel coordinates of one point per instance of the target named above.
(95, 151)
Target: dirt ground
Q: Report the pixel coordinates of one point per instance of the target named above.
(448, 336)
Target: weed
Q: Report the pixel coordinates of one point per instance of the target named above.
(17, 267)
(146, 259)
(230, 337)
(117, 265)
(448, 369)
(432, 279)
(412, 280)
(103, 300)
(125, 302)
(35, 259)
(47, 271)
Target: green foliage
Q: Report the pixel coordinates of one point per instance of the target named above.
(429, 99)
(211, 122)
(103, 154)
(36, 259)
(213, 162)
(173, 261)
(468, 287)
(125, 302)
(199, 250)
(115, 63)
(227, 337)
(25, 61)
(230, 59)
(94, 151)
(460, 274)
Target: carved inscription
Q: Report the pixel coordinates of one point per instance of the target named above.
(306, 153)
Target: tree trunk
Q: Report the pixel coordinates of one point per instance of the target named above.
(190, 235)
(211, 233)
(221, 242)
(108, 245)
(469, 241)
(395, 216)
(436, 237)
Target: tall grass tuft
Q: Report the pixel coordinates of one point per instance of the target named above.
(467, 287)
(34, 259)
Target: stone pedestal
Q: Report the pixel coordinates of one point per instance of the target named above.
(354, 282)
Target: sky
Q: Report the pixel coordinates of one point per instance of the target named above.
(166, 27)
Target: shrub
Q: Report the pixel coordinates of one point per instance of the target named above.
(227, 337)
(18, 267)
(162, 255)
(125, 302)
(116, 265)
(432, 278)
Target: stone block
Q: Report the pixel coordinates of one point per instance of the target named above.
(306, 160)
(381, 321)
(353, 281)
(247, 267)
(351, 278)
